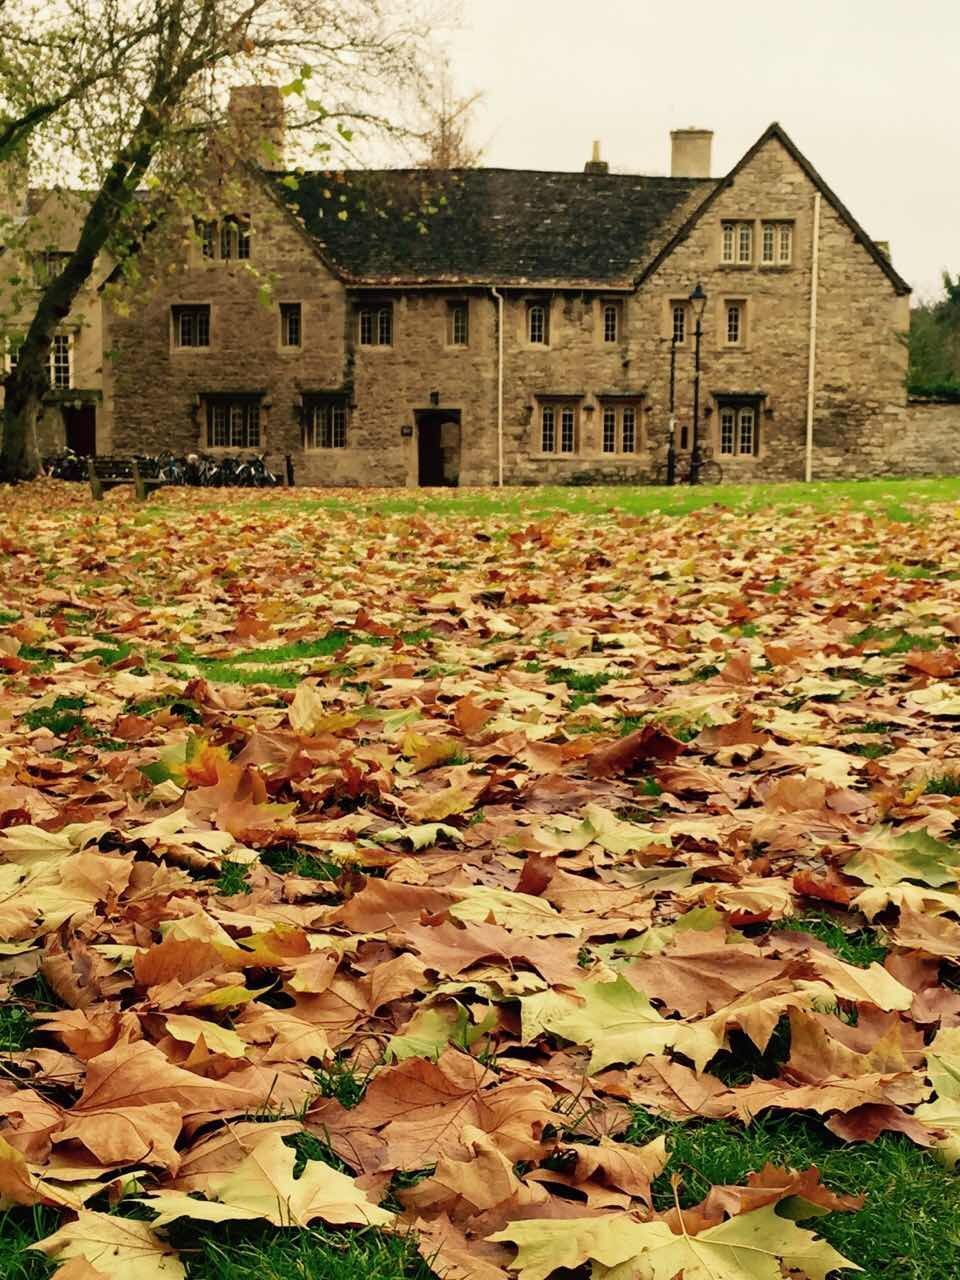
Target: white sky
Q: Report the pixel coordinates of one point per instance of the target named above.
(866, 88)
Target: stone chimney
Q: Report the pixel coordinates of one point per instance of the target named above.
(690, 153)
(256, 113)
(595, 164)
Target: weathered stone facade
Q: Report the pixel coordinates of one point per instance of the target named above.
(610, 259)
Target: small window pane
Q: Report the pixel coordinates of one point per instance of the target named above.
(746, 442)
(290, 324)
(459, 328)
(385, 327)
(537, 322)
(728, 242)
(727, 425)
(366, 328)
(786, 242)
(610, 323)
(733, 323)
(745, 243)
(769, 235)
(338, 428)
(609, 431)
(679, 324)
(60, 362)
(548, 438)
(243, 237)
(629, 432)
(567, 432)
(208, 231)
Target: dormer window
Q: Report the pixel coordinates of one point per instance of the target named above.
(611, 316)
(375, 325)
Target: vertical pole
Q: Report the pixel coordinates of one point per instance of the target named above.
(499, 298)
(812, 356)
(695, 452)
(671, 443)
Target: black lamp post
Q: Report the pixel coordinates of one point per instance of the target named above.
(698, 300)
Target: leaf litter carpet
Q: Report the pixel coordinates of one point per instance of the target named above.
(448, 845)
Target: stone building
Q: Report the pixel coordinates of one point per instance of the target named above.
(408, 327)
(41, 228)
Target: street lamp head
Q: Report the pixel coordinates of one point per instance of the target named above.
(698, 296)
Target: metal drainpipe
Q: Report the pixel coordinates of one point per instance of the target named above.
(812, 358)
(499, 298)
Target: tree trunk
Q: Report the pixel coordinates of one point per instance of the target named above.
(23, 405)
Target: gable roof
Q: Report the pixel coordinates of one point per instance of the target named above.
(487, 226)
(778, 133)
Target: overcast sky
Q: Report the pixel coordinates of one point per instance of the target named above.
(866, 88)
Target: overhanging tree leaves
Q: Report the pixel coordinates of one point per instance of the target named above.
(117, 95)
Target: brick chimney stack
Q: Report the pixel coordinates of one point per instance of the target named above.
(595, 164)
(690, 153)
(256, 112)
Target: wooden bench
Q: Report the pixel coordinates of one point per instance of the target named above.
(107, 472)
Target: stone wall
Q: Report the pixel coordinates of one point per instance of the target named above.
(924, 440)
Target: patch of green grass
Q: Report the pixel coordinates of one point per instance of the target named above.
(20, 1228)
(16, 1028)
(233, 879)
(578, 681)
(869, 726)
(943, 784)
(342, 1080)
(289, 861)
(909, 1227)
(60, 717)
(869, 750)
(235, 1251)
(308, 1148)
(111, 654)
(861, 947)
(893, 640)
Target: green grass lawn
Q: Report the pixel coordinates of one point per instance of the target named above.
(896, 499)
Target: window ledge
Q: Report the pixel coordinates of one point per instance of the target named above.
(736, 266)
(776, 267)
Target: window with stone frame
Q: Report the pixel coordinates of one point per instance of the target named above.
(291, 324)
(612, 320)
(325, 423)
(620, 427)
(60, 368)
(776, 244)
(738, 427)
(235, 236)
(538, 323)
(679, 322)
(559, 426)
(736, 243)
(458, 323)
(734, 322)
(233, 422)
(48, 265)
(191, 325)
(375, 324)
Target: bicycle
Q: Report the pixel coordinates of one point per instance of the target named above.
(708, 472)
